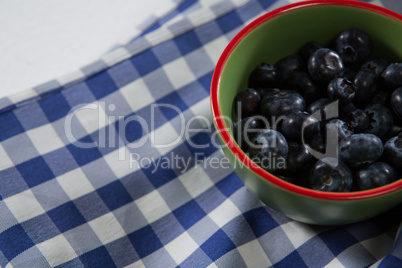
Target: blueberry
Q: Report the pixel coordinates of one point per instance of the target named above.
(392, 75)
(353, 45)
(365, 83)
(375, 175)
(245, 129)
(303, 83)
(264, 75)
(309, 48)
(295, 123)
(318, 105)
(357, 120)
(340, 127)
(247, 103)
(377, 65)
(393, 151)
(360, 149)
(269, 149)
(324, 65)
(396, 102)
(380, 118)
(299, 158)
(342, 90)
(282, 102)
(288, 65)
(330, 175)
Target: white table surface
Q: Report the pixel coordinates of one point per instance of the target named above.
(44, 39)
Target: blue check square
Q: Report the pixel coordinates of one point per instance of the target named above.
(115, 195)
(66, 216)
(98, 257)
(35, 171)
(55, 106)
(13, 241)
(145, 241)
(9, 126)
(189, 213)
(145, 62)
(101, 85)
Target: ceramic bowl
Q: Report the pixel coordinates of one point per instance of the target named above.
(270, 37)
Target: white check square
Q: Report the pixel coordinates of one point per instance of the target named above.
(196, 181)
(181, 247)
(24, 206)
(92, 116)
(121, 162)
(45, 139)
(75, 184)
(215, 48)
(253, 254)
(165, 138)
(57, 250)
(297, 233)
(224, 213)
(179, 73)
(107, 228)
(152, 206)
(137, 95)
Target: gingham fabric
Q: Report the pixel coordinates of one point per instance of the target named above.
(143, 193)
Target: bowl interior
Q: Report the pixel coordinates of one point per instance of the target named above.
(279, 36)
(285, 34)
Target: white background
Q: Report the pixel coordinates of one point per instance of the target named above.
(44, 39)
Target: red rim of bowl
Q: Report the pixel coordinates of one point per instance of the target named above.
(231, 144)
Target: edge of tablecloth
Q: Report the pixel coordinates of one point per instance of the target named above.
(140, 44)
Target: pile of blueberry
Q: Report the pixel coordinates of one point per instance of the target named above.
(326, 118)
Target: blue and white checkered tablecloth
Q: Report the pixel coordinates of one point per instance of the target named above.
(143, 193)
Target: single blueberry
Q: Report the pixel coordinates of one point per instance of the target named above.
(353, 45)
(269, 149)
(324, 65)
(375, 175)
(297, 124)
(359, 149)
(282, 102)
(380, 118)
(392, 75)
(357, 120)
(289, 65)
(264, 75)
(393, 151)
(330, 175)
(247, 103)
(342, 90)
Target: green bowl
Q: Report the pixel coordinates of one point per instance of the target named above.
(270, 37)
